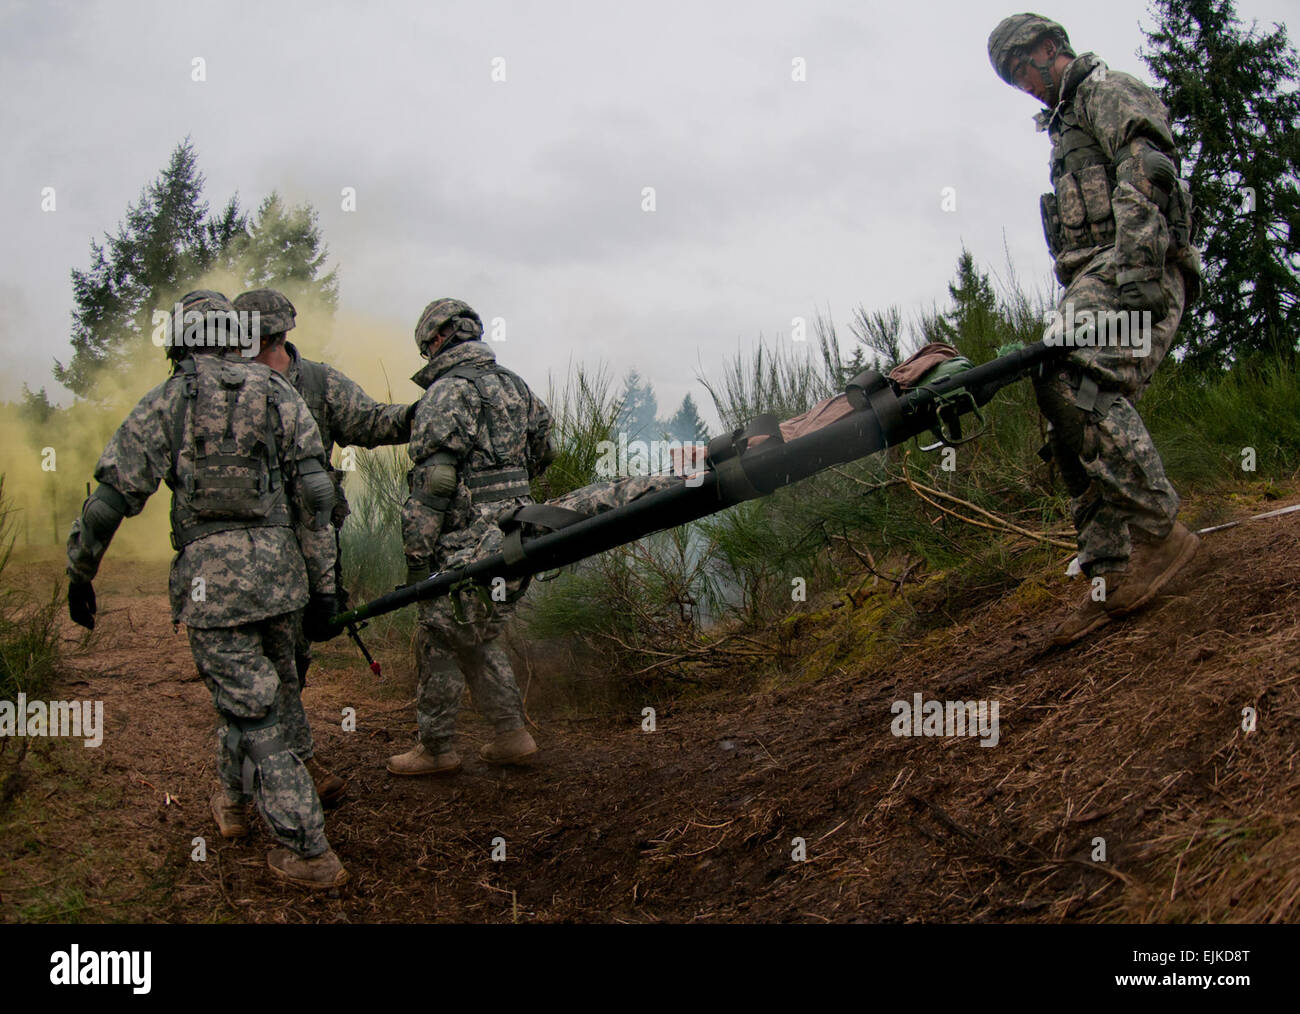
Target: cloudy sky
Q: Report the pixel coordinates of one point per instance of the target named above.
(773, 197)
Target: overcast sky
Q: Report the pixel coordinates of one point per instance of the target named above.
(774, 198)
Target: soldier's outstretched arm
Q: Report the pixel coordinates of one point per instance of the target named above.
(541, 451)
(134, 462)
(359, 420)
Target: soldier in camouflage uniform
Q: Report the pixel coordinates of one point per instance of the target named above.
(479, 436)
(1118, 227)
(238, 448)
(345, 415)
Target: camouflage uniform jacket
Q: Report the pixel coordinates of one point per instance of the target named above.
(344, 413)
(245, 574)
(1102, 195)
(498, 433)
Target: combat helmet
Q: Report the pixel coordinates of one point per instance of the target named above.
(435, 320)
(220, 333)
(1019, 32)
(275, 313)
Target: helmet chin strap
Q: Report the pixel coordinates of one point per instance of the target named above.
(1045, 70)
(1045, 73)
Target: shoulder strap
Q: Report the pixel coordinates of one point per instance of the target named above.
(188, 371)
(272, 445)
(312, 377)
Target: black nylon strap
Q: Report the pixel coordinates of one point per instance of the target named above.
(545, 515)
(183, 535)
(111, 497)
(189, 375)
(733, 482)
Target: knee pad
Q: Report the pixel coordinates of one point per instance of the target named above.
(254, 751)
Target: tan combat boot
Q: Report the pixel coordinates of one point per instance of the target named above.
(509, 747)
(329, 786)
(318, 873)
(420, 761)
(1152, 566)
(1089, 616)
(230, 814)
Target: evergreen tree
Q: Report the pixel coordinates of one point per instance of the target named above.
(282, 249)
(1236, 117)
(36, 407)
(161, 243)
(162, 249)
(687, 426)
(973, 323)
(638, 415)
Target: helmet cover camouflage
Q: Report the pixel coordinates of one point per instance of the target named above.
(221, 334)
(275, 313)
(1019, 32)
(469, 326)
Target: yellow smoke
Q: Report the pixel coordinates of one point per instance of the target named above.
(380, 355)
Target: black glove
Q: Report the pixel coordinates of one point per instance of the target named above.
(81, 603)
(1146, 295)
(315, 618)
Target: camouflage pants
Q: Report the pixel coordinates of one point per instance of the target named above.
(293, 718)
(250, 673)
(1110, 465)
(450, 655)
(457, 643)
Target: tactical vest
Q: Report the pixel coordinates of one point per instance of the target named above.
(233, 478)
(487, 485)
(1078, 214)
(311, 385)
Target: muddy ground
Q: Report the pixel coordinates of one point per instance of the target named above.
(1135, 737)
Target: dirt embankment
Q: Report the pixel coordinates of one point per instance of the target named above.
(1133, 740)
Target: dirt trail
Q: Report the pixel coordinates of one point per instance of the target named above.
(1134, 737)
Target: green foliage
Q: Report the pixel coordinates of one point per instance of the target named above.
(584, 414)
(29, 633)
(1203, 421)
(1232, 97)
(638, 409)
(643, 606)
(168, 241)
(162, 241)
(371, 537)
(282, 249)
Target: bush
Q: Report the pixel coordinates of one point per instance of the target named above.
(29, 630)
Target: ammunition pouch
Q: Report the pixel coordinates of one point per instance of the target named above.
(417, 572)
(1079, 213)
(234, 481)
(433, 481)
